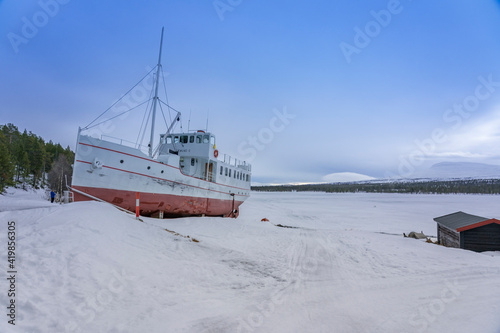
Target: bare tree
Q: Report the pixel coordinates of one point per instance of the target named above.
(57, 174)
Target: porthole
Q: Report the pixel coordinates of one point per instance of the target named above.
(161, 171)
(121, 161)
(149, 167)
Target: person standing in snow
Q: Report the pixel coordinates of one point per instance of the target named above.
(52, 196)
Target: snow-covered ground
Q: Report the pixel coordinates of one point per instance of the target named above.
(18, 199)
(345, 267)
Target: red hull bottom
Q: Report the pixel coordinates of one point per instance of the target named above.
(153, 203)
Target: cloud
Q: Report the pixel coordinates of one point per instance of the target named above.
(457, 154)
(341, 177)
(474, 140)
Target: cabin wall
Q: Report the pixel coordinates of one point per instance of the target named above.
(232, 175)
(485, 238)
(448, 237)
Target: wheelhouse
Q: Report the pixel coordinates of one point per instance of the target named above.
(199, 157)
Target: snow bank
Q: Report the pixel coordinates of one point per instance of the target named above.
(16, 199)
(87, 267)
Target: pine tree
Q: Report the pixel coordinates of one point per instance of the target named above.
(23, 167)
(27, 158)
(35, 148)
(6, 167)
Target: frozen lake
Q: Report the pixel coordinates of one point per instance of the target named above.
(344, 267)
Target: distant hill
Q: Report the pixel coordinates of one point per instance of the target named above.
(472, 186)
(340, 177)
(445, 178)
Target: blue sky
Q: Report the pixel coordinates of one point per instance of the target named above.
(275, 78)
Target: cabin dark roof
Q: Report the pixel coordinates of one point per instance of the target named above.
(459, 220)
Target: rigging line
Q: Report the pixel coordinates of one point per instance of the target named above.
(87, 127)
(163, 114)
(157, 148)
(168, 106)
(118, 115)
(164, 119)
(178, 112)
(144, 125)
(147, 121)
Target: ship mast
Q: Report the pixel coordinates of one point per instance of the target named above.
(155, 99)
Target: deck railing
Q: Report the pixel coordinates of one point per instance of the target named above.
(237, 163)
(124, 142)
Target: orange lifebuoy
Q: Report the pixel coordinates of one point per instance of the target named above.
(216, 153)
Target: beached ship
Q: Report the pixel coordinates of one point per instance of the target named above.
(183, 176)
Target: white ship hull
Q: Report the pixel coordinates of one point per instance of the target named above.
(116, 173)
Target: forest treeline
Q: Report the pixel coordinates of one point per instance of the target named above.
(27, 160)
(470, 186)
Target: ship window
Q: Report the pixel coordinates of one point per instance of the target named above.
(212, 140)
(235, 174)
(221, 170)
(192, 161)
(229, 172)
(169, 140)
(205, 139)
(247, 177)
(226, 171)
(184, 139)
(176, 139)
(191, 139)
(198, 139)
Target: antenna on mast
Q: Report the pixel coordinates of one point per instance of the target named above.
(208, 114)
(189, 120)
(155, 98)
